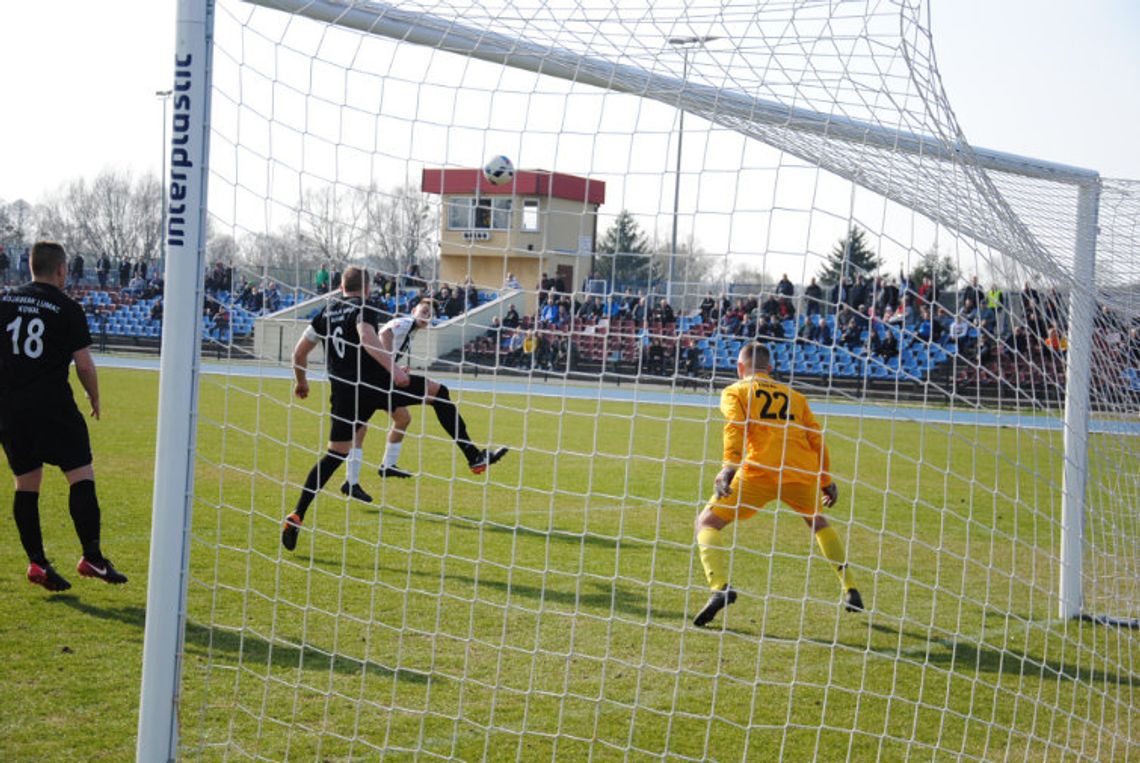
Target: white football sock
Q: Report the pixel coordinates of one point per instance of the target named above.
(392, 453)
(352, 465)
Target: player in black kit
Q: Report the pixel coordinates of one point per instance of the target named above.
(362, 383)
(39, 421)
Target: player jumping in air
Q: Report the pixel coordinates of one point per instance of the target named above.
(362, 383)
(773, 449)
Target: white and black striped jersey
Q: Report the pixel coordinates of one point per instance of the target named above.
(402, 329)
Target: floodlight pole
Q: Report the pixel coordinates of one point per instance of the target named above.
(684, 43)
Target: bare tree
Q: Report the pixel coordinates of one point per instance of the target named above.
(56, 222)
(279, 251)
(745, 273)
(144, 216)
(114, 215)
(692, 264)
(17, 222)
(331, 224)
(402, 227)
(220, 247)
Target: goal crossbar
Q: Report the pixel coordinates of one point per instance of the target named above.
(781, 126)
(706, 101)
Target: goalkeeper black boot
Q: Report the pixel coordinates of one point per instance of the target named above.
(852, 601)
(101, 569)
(43, 574)
(356, 491)
(718, 601)
(481, 459)
(393, 471)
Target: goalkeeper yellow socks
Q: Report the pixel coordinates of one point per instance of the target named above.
(832, 547)
(713, 557)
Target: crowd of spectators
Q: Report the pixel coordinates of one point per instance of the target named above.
(133, 276)
(876, 318)
(991, 338)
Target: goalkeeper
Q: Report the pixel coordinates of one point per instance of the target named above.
(773, 449)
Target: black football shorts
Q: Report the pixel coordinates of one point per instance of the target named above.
(36, 435)
(352, 405)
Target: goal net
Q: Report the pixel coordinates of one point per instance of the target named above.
(687, 177)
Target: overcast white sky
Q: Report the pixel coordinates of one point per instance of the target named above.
(1056, 81)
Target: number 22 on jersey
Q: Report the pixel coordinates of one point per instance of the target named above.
(773, 405)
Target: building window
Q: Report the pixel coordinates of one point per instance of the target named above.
(530, 215)
(501, 218)
(468, 213)
(459, 214)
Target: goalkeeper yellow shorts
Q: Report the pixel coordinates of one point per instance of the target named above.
(749, 495)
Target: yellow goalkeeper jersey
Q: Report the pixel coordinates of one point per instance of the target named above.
(770, 433)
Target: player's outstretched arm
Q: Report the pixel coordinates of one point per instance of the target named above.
(88, 377)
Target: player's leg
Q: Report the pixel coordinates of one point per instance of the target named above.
(83, 504)
(805, 499)
(27, 443)
(26, 510)
(342, 404)
(747, 496)
(447, 413)
(355, 458)
(401, 419)
(351, 486)
(320, 474)
(710, 545)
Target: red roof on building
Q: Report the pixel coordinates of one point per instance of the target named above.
(526, 183)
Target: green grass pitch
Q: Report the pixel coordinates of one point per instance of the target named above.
(541, 612)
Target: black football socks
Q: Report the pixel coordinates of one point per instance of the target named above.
(26, 509)
(318, 476)
(84, 508)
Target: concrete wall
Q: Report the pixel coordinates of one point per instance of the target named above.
(275, 335)
(442, 338)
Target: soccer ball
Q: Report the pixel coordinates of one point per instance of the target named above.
(498, 170)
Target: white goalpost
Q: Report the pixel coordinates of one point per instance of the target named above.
(989, 478)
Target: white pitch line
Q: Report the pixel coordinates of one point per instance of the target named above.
(657, 396)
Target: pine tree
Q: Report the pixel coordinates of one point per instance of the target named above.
(850, 257)
(936, 266)
(628, 250)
